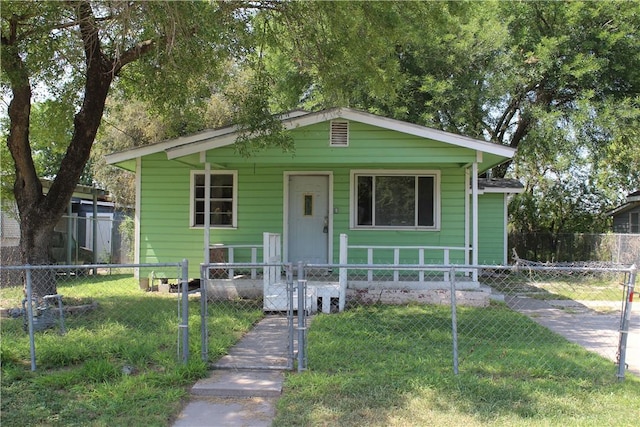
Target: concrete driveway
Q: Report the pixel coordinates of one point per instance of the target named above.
(595, 325)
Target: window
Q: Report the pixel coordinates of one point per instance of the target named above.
(634, 222)
(223, 198)
(396, 200)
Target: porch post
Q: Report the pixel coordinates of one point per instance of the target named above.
(474, 217)
(466, 216)
(136, 218)
(207, 211)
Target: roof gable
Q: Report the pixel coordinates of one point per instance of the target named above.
(212, 139)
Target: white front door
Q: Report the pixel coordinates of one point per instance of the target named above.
(308, 228)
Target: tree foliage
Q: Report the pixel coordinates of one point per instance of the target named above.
(173, 56)
(559, 81)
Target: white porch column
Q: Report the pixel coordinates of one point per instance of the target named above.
(136, 217)
(207, 211)
(344, 260)
(467, 232)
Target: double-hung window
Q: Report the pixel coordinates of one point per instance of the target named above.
(222, 196)
(396, 200)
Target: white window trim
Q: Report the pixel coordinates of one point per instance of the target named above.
(234, 201)
(389, 172)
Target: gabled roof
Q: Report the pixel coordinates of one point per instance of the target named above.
(210, 139)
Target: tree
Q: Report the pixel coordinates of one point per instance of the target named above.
(74, 51)
(559, 81)
(171, 55)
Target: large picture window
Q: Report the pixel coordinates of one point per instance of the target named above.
(222, 198)
(395, 200)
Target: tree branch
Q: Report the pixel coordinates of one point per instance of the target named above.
(132, 54)
(19, 114)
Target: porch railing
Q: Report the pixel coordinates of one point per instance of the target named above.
(231, 256)
(420, 250)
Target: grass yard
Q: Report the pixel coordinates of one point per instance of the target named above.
(391, 366)
(117, 364)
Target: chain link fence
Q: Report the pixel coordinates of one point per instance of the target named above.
(525, 319)
(528, 320)
(620, 248)
(62, 315)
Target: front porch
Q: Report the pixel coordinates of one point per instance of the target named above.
(329, 287)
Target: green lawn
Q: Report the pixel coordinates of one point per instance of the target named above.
(391, 366)
(80, 378)
(376, 365)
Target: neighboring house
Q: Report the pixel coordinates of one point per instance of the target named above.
(85, 202)
(626, 217)
(374, 180)
(9, 225)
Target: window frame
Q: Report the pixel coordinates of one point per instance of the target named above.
(234, 201)
(634, 225)
(353, 185)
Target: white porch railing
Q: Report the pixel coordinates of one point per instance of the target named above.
(273, 286)
(231, 256)
(446, 251)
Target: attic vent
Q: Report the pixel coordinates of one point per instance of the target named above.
(339, 134)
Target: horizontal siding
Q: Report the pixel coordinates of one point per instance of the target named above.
(491, 229)
(367, 145)
(167, 237)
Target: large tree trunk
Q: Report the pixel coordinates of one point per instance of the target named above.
(39, 213)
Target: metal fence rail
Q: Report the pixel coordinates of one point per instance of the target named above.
(100, 308)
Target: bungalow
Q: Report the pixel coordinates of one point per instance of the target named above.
(356, 183)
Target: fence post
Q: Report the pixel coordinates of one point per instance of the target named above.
(204, 327)
(32, 342)
(454, 319)
(301, 318)
(624, 323)
(290, 308)
(184, 327)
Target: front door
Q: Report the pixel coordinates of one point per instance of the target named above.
(308, 228)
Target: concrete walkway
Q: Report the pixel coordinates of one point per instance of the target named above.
(244, 387)
(595, 325)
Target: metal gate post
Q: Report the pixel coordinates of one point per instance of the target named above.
(184, 327)
(302, 286)
(624, 322)
(454, 319)
(204, 327)
(290, 309)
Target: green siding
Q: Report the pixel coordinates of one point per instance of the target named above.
(167, 237)
(491, 226)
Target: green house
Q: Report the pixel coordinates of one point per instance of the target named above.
(387, 191)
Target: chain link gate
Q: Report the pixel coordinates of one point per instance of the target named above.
(251, 316)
